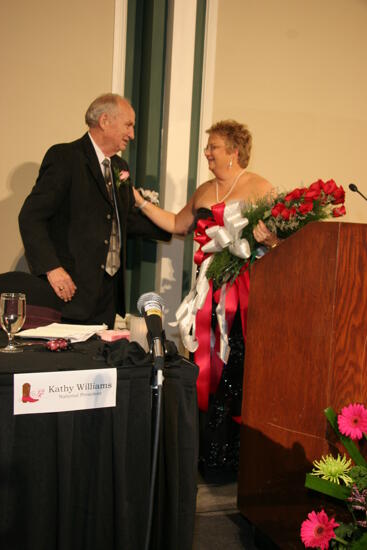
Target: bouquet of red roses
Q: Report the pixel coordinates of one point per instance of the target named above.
(294, 210)
(283, 214)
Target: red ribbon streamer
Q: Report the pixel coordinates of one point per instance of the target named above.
(202, 354)
(243, 284)
(210, 365)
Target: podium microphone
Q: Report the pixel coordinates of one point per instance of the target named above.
(355, 189)
(150, 305)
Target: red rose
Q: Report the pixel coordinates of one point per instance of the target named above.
(329, 187)
(312, 193)
(277, 208)
(293, 211)
(338, 195)
(285, 213)
(316, 185)
(305, 207)
(340, 211)
(295, 194)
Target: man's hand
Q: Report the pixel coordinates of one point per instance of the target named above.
(62, 283)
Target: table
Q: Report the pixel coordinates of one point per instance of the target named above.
(80, 480)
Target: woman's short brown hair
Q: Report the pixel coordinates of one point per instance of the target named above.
(236, 136)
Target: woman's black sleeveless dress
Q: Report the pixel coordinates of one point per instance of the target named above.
(219, 433)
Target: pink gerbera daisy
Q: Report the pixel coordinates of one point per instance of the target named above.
(318, 530)
(352, 421)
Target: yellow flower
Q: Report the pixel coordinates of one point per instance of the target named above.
(333, 469)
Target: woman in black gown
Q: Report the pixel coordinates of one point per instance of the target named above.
(228, 153)
(219, 424)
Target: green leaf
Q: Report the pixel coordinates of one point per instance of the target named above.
(349, 445)
(360, 544)
(346, 530)
(327, 487)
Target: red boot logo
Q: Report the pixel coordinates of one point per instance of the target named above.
(27, 394)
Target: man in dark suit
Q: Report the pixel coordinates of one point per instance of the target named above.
(76, 219)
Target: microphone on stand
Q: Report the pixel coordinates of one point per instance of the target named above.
(355, 189)
(150, 305)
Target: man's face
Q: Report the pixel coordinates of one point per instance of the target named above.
(119, 129)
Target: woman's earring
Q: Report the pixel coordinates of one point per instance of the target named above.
(230, 163)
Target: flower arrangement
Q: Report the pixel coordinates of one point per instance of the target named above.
(284, 215)
(337, 477)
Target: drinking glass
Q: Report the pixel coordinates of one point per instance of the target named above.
(12, 317)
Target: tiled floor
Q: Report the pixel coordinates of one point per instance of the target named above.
(219, 525)
(214, 498)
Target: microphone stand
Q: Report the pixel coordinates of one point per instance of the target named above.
(157, 350)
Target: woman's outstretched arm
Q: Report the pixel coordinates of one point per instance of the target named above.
(178, 224)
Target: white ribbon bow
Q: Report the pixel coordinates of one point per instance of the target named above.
(229, 234)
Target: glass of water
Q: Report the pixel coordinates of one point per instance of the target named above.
(12, 317)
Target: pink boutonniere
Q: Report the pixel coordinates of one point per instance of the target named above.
(121, 177)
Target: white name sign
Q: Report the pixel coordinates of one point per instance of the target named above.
(44, 392)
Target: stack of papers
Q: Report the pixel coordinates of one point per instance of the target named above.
(74, 333)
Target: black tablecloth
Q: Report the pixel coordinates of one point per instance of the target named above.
(80, 480)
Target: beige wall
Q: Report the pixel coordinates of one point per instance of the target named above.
(295, 72)
(55, 58)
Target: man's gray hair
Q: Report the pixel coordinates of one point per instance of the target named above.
(105, 103)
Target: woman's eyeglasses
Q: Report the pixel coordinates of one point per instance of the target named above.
(211, 148)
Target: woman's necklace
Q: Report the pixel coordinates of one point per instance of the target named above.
(231, 188)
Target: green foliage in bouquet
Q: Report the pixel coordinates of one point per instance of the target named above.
(224, 267)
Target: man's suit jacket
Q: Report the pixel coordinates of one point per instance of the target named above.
(66, 221)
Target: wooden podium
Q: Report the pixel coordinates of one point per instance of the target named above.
(306, 350)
